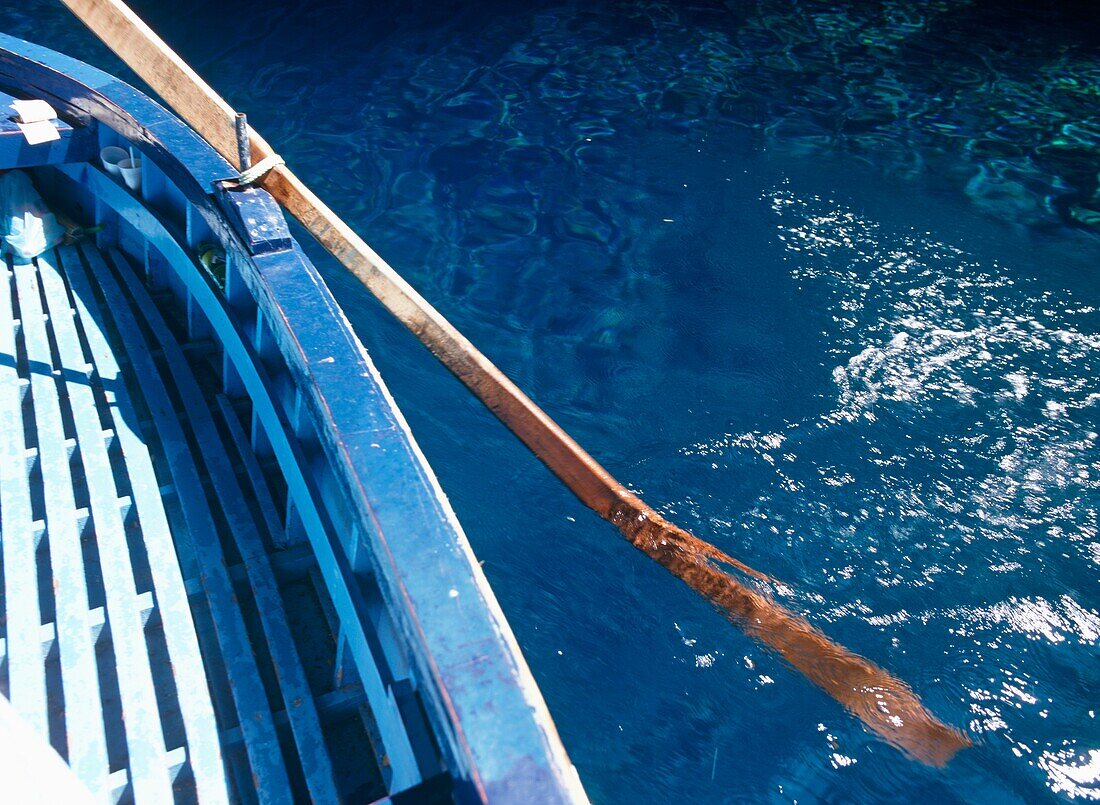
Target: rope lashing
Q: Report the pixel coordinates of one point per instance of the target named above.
(259, 170)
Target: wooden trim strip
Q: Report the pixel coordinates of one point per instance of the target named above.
(22, 617)
(84, 731)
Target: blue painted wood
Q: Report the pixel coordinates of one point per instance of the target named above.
(256, 218)
(261, 493)
(96, 616)
(254, 715)
(87, 744)
(196, 710)
(407, 483)
(448, 616)
(339, 580)
(144, 736)
(293, 686)
(22, 618)
(488, 716)
(75, 145)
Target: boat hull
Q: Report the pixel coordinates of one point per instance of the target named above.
(288, 464)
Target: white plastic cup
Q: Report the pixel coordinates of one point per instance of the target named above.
(111, 156)
(131, 173)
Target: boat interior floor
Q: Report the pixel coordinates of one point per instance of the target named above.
(171, 637)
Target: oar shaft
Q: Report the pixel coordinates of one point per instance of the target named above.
(884, 703)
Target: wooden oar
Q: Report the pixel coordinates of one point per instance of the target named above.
(885, 704)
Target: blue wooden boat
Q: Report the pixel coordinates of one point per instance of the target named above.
(228, 573)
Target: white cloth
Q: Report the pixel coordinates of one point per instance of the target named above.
(27, 226)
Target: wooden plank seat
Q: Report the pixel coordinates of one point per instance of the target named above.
(146, 631)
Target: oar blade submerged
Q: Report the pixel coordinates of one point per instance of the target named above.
(884, 703)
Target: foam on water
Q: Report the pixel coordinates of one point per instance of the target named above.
(953, 465)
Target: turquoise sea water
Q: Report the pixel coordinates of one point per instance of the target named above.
(818, 279)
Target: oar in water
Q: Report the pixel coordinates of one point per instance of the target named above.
(884, 703)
